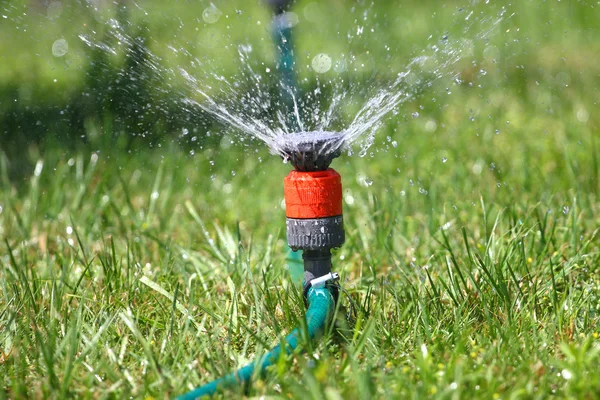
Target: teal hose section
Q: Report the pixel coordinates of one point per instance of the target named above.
(320, 307)
(282, 32)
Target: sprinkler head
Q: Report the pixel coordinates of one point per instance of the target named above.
(313, 198)
(311, 151)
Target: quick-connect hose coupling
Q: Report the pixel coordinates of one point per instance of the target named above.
(313, 202)
(314, 222)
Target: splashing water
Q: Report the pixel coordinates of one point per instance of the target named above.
(243, 104)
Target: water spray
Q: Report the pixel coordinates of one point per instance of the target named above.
(314, 222)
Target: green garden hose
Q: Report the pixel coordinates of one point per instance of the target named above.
(320, 307)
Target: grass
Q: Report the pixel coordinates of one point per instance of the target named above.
(143, 276)
(471, 256)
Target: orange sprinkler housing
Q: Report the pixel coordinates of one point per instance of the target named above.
(310, 195)
(313, 207)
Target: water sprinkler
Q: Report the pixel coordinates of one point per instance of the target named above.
(313, 197)
(313, 200)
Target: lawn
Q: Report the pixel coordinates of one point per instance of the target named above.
(143, 268)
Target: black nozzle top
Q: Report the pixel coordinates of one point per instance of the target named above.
(311, 151)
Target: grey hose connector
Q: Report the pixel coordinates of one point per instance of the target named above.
(317, 262)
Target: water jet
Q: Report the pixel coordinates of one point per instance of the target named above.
(314, 222)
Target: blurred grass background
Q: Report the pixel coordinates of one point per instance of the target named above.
(541, 55)
(98, 188)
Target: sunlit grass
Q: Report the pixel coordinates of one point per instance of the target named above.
(471, 262)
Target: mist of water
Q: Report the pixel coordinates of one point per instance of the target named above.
(244, 104)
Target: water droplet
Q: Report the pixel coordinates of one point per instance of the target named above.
(566, 210)
(582, 115)
(54, 10)
(211, 14)
(497, 131)
(491, 53)
(60, 48)
(394, 144)
(368, 181)
(430, 126)
(69, 230)
(340, 66)
(566, 374)
(321, 63)
(113, 23)
(444, 159)
(232, 173)
(415, 114)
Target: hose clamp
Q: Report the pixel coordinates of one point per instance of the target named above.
(322, 281)
(327, 280)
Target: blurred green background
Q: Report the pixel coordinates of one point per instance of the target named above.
(541, 56)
